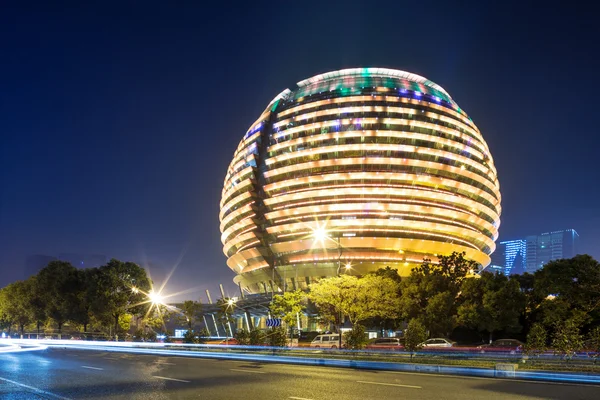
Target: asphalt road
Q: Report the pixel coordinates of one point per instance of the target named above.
(71, 374)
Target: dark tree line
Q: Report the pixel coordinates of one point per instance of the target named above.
(61, 294)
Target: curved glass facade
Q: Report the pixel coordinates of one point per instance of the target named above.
(360, 168)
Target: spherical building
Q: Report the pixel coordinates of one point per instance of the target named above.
(355, 170)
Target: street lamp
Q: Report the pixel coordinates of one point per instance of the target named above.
(155, 298)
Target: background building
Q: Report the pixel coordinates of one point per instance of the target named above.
(364, 168)
(533, 252)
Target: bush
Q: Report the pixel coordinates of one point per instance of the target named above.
(356, 338)
(190, 337)
(277, 337)
(242, 336)
(257, 337)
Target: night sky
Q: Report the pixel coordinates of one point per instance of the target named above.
(118, 121)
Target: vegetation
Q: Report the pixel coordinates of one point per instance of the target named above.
(414, 336)
(107, 299)
(356, 338)
(557, 306)
(536, 340)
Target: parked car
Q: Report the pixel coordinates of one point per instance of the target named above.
(437, 342)
(386, 344)
(329, 341)
(503, 345)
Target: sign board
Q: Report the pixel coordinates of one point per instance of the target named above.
(271, 322)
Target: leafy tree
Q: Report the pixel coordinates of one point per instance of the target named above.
(119, 288)
(191, 310)
(491, 303)
(536, 340)
(16, 303)
(567, 339)
(356, 338)
(414, 335)
(287, 306)
(430, 291)
(384, 323)
(569, 289)
(36, 303)
(82, 308)
(58, 284)
(356, 298)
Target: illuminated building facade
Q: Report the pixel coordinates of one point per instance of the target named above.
(533, 252)
(509, 257)
(355, 170)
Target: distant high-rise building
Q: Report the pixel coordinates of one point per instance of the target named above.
(549, 246)
(34, 263)
(83, 260)
(533, 252)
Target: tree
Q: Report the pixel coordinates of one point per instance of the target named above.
(414, 336)
(120, 288)
(536, 340)
(191, 310)
(430, 291)
(567, 339)
(36, 303)
(82, 309)
(288, 306)
(58, 285)
(16, 297)
(569, 289)
(358, 299)
(491, 303)
(381, 322)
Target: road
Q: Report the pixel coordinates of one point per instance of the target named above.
(72, 374)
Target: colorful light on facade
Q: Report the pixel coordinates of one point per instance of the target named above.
(348, 170)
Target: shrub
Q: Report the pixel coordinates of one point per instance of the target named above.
(356, 338)
(243, 337)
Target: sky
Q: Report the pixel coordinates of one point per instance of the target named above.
(118, 119)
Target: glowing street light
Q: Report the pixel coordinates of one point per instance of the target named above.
(348, 266)
(320, 234)
(155, 298)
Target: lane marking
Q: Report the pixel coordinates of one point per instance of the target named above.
(97, 369)
(247, 370)
(391, 384)
(112, 358)
(170, 379)
(36, 390)
(165, 363)
(299, 398)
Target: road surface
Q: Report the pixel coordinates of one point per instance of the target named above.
(72, 374)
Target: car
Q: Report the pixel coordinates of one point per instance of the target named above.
(389, 343)
(503, 345)
(437, 342)
(328, 341)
